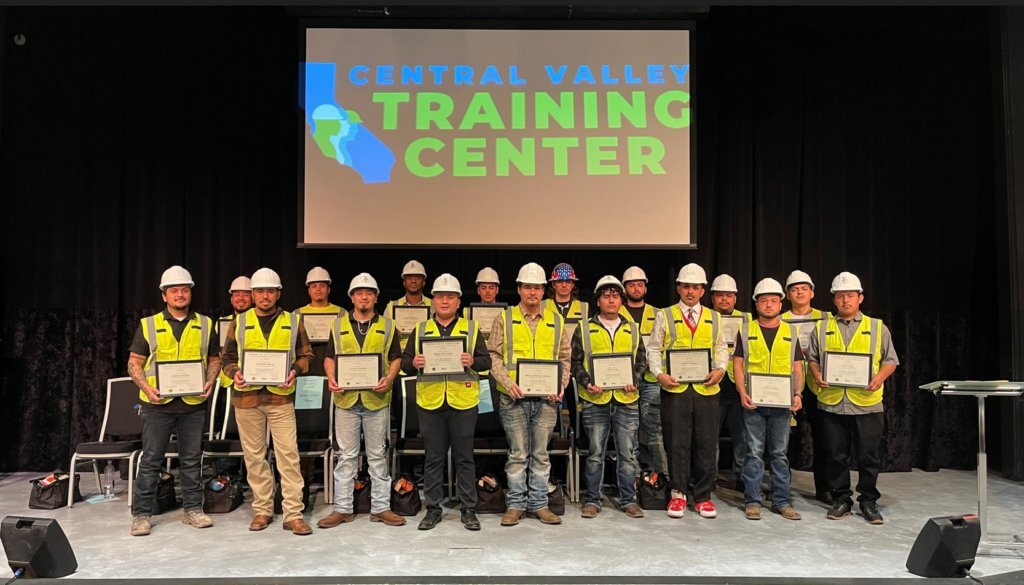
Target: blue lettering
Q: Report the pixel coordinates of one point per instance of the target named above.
(354, 75)
(513, 76)
(680, 72)
(556, 78)
(413, 75)
(385, 75)
(490, 75)
(438, 71)
(584, 74)
(463, 75)
(606, 76)
(627, 71)
(655, 74)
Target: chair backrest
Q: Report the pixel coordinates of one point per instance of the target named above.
(409, 424)
(315, 423)
(121, 412)
(214, 412)
(229, 427)
(575, 414)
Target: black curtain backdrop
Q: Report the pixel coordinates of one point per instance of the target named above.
(828, 139)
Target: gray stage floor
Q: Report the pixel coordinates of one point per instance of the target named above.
(611, 544)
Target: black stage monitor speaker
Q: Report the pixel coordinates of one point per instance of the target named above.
(945, 547)
(37, 546)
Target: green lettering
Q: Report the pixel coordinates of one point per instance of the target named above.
(596, 156)
(661, 106)
(560, 152)
(518, 106)
(524, 159)
(633, 109)
(546, 109)
(590, 110)
(462, 156)
(481, 110)
(412, 157)
(390, 99)
(433, 108)
(645, 151)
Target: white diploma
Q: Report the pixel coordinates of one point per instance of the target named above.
(443, 355)
(539, 377)
(358, 371)
(770, 390)
(265, 367)
(180, 378)
(408, 317)
(611, 371)
(318, 326)
(728, 327)
(485, 314)
(223, 324)
(689, 365)
(847, 369)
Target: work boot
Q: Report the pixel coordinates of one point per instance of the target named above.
(141, 525)
(431, 519)
(334, 519)
(512, 516)
(787, 512)
(871, 514)
(546, 516)
(752, 511)
(633, 510)
(197, 518)
(590, 511)
(388, 517)
(469, 520)
(840, 509)
(297, 526)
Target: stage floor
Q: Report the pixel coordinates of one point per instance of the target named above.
(609, 545)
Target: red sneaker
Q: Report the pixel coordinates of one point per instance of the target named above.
(676, 507)
(706, 509)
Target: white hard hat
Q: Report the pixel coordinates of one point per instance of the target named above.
(768, 286)
(413, 267)
(175, 275)
(240, 283)
(317, 274)
(845, 281)
(363, 280)
(724, 283)
(446, 283)
(634, 273)
(487, 274)
(266, 278)
(531, 273)
(692, 274)
(799, 277)
(608, 281)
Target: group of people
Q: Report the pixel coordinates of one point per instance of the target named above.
(749, 357)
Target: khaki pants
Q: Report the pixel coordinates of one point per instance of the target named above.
(252, 425)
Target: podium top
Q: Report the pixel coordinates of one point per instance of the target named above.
(975, 388)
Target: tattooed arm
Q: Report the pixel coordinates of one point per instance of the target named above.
(135, 363)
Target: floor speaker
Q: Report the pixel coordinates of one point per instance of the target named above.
(37, 546)
(945, 547)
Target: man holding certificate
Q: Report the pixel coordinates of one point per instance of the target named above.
(636, 310)
(851, 356)
(688, 357)
(362, 362)
(267, 348)
(448, 353)
(318, 316)
(768, 365)
(173, 360)
(731, 321)
(608, 363)
(412, 308)
(530, 354)
(804, 318)
(241, 301)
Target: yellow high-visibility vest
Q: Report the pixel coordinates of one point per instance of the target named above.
(163, 347)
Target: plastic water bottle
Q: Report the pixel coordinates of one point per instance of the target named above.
(108, 480)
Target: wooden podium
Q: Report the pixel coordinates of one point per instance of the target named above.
(982, 390)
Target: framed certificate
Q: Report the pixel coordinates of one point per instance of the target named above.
(318, 326)
(360, 371)
(689, 365)
(848, 369)
(265, 367)
(770, 390)
(611, 371)
(408, 317)
(728, 327)
(180, 378)
(485, 314)
(443, 355)
(223, 324)
(539, 377)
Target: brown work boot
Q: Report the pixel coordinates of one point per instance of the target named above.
(590, 511)
(752, 511)
(546, 516)
(335, 518)
(259, 522)
(512, 516)
(197, 518)
(633, 510)
(788, 513)
(297, 526)
(141, 525)
(388, 517)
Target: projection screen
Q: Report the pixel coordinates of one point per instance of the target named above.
(496, 138)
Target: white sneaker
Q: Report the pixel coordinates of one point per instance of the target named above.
(676, 506)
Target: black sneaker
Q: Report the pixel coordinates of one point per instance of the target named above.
(469, 520)
(870, 512)
(430, 520)
(839, 510)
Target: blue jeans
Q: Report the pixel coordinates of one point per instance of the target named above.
(760, 426)
(650, 423)
(374, 425)
(157, 427)
(622, 420)
(528, 426)
(731, 416)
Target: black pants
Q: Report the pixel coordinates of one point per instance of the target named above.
(443, 428)
(689, 423)
(819, 463)
(157, 427)
(862, 433)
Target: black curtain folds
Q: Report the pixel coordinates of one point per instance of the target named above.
(827, 139)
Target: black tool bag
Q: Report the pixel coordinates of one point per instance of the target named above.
(652, 491)
(225, 499)
(556, 499)
(361, 493)
(54, 495)
(405, 498)
(279, 498)
(490, 496)
(166, 499)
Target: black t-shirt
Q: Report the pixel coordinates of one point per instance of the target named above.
(637, 313)
(140, 346)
